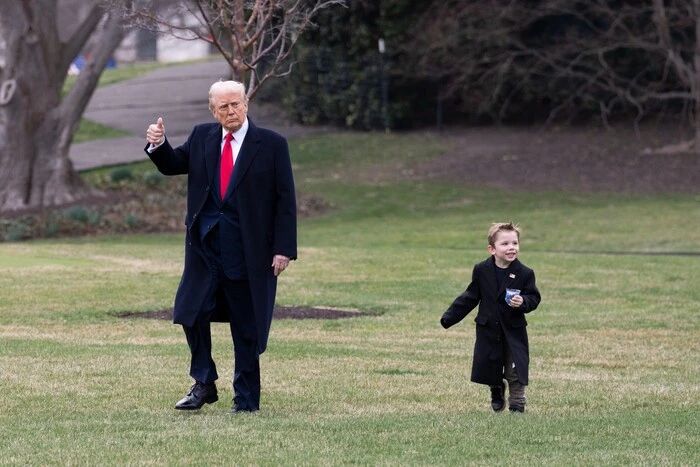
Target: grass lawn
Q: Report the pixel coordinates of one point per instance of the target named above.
(615, 378)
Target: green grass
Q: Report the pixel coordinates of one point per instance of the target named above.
(614, 344)
(89, 130)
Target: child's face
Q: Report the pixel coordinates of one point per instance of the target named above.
(505, 248)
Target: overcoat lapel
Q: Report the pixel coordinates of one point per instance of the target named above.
(212, 148)
(513, 271)
(491, 274)
(249, 149)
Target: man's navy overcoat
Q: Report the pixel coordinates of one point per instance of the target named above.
(262, 189)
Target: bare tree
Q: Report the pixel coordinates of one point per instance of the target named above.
(255, 37)
(600, 53)
(38, 41)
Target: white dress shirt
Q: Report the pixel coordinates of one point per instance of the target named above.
(237, 140)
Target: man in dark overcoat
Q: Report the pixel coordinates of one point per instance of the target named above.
(240, 235)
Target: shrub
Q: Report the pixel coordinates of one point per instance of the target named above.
(121, 173)
(153, 178)
(77, 213)
(51, 226)
(16, 232)
(132, 220)
(94, 217)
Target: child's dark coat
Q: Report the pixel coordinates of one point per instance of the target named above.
(496, 319)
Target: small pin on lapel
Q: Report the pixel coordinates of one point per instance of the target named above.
(511, 275)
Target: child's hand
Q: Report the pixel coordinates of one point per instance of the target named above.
(516, 301)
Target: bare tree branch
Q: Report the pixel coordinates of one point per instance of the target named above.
(600, 54)
(255, 37)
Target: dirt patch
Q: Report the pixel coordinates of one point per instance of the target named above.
(572, 160)
(286, 312)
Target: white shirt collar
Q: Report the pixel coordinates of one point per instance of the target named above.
(238, 135)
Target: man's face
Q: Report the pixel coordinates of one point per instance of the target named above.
(230, 109)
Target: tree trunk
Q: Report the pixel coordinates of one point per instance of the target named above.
(28, 155)
(36, 170)
(695, 88)
(36, 123)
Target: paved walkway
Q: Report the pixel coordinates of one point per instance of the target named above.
(178, 93)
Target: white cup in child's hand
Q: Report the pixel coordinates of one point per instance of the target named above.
(510, 293)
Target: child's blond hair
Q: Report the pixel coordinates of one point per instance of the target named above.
(502, 227)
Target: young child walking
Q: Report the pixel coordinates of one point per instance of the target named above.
(505, 289)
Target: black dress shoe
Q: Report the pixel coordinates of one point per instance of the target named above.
(517, 408)
(199, 395)
(498, 400)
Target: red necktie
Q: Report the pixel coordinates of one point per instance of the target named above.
(226, 165)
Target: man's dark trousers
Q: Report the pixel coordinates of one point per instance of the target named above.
(236, 293)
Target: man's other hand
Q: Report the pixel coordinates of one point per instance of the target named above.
(279, 264)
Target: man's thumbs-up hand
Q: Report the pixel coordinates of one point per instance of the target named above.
(156, 132)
